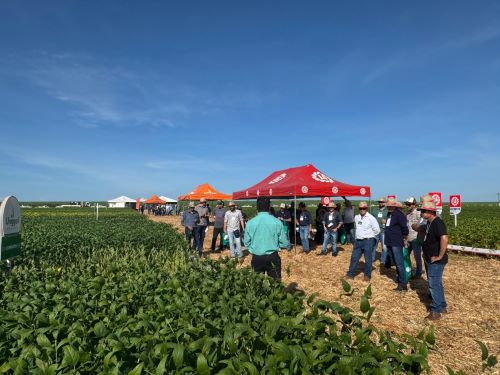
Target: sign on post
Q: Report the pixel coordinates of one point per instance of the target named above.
(325, 201)
(10, 228)
(455, 206)
(438, 199)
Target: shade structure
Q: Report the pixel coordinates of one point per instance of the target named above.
(304, 181)
(205, 191)
(154, 199)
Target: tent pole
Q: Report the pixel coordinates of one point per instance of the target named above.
(295, 223)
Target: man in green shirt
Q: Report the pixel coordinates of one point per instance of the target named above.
(264, 237)
(381, 215)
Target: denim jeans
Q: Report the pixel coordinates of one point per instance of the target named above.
(362, 247)
(201, 238)
(397, 254)
(379, 238)
(304, 237)
(416, 247)
(191, 235)
(435, 276)
(232, 241)
(330, 237)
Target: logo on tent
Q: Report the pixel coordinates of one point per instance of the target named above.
(321, 177)
(270, 191)
(304, 189)
(277, 179)
(335, 190)
(362, 191)
(258, 192)
(246, 193)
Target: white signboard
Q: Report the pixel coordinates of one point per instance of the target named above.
(10, 228)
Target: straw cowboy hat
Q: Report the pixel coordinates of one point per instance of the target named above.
(203, 200)
(392, 202)
(427, 203)
(363, 205)
(411, 200)
(282, 205)
(382, 199)
(331, 205)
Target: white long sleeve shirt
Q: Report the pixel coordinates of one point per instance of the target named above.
(366, 226)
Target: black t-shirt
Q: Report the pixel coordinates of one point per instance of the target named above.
(432, 238)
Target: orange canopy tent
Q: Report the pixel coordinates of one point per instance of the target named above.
(205, 191)
(154, 200)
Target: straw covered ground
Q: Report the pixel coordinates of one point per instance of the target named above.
(472, 287)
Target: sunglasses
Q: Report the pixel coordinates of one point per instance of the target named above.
(363, 208)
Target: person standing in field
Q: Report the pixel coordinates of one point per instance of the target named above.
(320, 232)
(305, 226)
(204, 213)
(233, 221)
(218, 219)
(331, 223)
(367, 229)
(348, 220)
(414, 245)
(264, 237)
(434, 247)
(380, 213)
(396, 232)
(189, 221)
(285, 217)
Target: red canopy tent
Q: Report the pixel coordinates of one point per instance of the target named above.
(304, 181)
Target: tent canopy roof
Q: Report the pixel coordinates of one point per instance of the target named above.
(154, 199)
(122, 199)
(205, 191)
(167, 199)
(304, 181)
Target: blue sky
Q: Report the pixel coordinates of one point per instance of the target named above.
(104, 98)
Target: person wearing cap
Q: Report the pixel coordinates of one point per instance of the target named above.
(189, 221)
(233, 226)
(204, 213)
(381, 214)
(218, 219)
(285, 217)
(434, 246)
(396, 232)
(332, 221)
(414, 246)
(264, 237)
(367, 229)
(348, 220)
(305, 227)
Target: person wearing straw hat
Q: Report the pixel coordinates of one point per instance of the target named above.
(189, 221)
(264, 237)
(285, 217)
(332, 221)
(367, 229)
(414, 245)
(434, 246)
(396, 232)
(381, 214)
(233, 221)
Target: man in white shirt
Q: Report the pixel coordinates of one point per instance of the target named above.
(233, 221)
(367, 229)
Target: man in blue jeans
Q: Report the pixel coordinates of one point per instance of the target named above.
(380, 213)
(332, 221)
(396, 232)
(434, 246)
(367, 229)
(414, 245)
(305, 226)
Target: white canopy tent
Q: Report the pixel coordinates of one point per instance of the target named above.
(121, 202)
(167, 199)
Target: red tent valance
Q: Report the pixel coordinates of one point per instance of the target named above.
(304, 181)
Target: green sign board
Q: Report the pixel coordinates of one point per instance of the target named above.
(10, 228)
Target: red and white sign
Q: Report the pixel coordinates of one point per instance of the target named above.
(438, 198)
(325, 200)
(138, 204)
(455, 204)
(391, 196)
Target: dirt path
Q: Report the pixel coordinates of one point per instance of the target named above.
(472, 287)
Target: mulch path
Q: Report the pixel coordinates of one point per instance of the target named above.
(472, 289)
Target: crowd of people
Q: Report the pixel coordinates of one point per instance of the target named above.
(160, 209)
(420, 230)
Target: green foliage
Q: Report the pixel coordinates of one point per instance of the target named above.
(113, 303)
